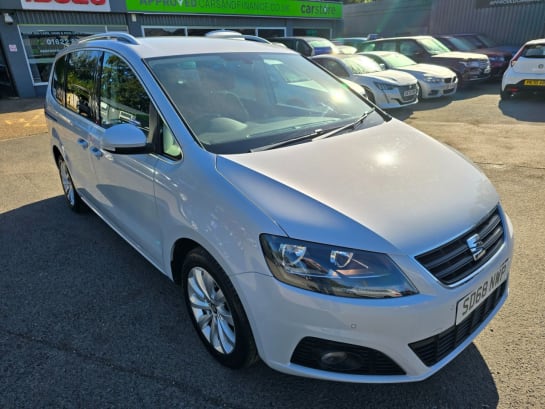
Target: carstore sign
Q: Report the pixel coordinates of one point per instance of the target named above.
(67, 5)
(266, 8)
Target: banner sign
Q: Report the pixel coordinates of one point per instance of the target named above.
(263, 8)
(67, 5)
(494, 3)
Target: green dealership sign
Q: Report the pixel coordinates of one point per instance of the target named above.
(266, 8)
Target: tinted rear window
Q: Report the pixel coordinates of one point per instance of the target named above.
(534, 51)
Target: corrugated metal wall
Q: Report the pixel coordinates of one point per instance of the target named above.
(387, 17)
(510, 24)
(513, 24)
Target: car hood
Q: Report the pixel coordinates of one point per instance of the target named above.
(387, 188)
(390, 76)
(461, 55)
(431, 69)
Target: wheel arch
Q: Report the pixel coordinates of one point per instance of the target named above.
(180, 249)
(56, 154)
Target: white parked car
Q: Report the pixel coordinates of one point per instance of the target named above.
(434, 80)
(386, 88)
(526, 71)
(306, 227)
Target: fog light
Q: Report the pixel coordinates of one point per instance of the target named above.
(340, 361)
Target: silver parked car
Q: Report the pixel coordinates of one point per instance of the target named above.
(387, 88)
(433, 80)
(306, 227)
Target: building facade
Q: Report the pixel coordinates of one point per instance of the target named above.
(33, 31)
(506, 21)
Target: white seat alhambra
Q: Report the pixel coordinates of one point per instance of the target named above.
(305, 226)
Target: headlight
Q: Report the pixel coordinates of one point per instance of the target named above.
(334, 270)
(470, 63)
(429, 78)
(384, 86)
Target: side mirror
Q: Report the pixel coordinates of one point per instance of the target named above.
(383, 66)
(124, 137)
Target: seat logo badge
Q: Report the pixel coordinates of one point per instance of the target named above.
(475, 245)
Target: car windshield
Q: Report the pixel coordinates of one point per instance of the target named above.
(487, 42)
(433, 46)
(239, 102)
(397, 60)
(461, 44)
(320, 43)
(360, 64)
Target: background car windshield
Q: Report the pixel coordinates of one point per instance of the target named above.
(237, 102)
(462, 44)
(321, 43)
(397, 60)
(433, 46)
(359, 64)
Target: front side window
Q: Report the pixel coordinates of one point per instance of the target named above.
(123, 99)
(239, 102)
(81, 74)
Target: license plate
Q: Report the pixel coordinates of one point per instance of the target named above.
(471, 301)
(539, 83)
(409, 92)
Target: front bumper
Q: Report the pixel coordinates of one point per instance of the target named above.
(396, 98)
(436, 90)
(283, 316)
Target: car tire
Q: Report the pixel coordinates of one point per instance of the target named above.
(216, 311)
(71, 195)
(504, 95)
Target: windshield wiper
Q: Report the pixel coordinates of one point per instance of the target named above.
(351, 125)
(287, 142)
(315, 135)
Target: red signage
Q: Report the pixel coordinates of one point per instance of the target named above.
(66, 5)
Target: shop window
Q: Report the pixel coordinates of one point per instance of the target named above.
(164, 31)
(312, 32)
(43, 42)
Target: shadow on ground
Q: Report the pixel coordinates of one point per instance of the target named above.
(85, 321)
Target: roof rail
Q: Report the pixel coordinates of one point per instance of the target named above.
(112, 35)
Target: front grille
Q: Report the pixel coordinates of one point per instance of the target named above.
(484, 64)
(455, 261)
(363, 361)
(406, 88)
(431, 350)
(450, 80)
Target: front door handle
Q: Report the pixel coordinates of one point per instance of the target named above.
(83, 143)
(96, 152)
